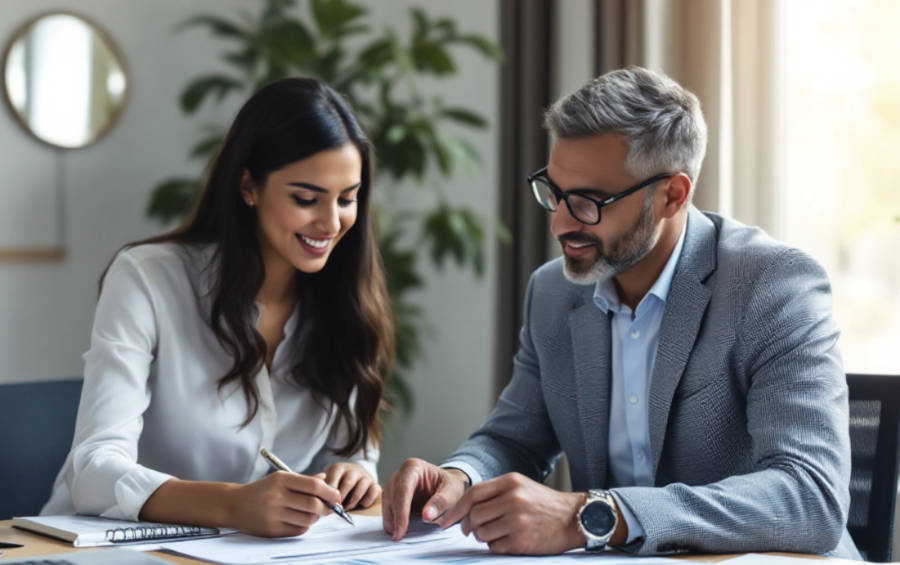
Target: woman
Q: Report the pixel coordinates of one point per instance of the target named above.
(262, 322)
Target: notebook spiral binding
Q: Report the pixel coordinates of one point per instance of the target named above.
(142, 533)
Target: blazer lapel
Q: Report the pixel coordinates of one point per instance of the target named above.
(589, 328)
(685, 306)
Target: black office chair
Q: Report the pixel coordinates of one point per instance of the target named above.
(37, 422)
(874, 424)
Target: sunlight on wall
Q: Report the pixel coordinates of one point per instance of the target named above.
(842, 173)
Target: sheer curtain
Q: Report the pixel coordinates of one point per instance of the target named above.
(725, 52)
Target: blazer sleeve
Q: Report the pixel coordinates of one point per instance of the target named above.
(797, 499)
(518, 435)
(105, 478)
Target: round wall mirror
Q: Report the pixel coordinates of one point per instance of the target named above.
(64, 79)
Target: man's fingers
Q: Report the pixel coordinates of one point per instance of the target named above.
(505, 544)
(457, 512)
(405, 487)
(478, 493)
(387, 516)
(493, 530)
(436, 506)
(465, 526)
(485, 512)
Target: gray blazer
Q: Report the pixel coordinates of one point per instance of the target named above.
(748, 400)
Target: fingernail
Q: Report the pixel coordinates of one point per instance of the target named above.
(429, 512)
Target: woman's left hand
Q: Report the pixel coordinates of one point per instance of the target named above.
(358, 488)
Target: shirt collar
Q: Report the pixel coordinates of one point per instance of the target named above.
(606, 298)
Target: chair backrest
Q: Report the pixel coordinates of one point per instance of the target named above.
(37, 422)
(874, 423)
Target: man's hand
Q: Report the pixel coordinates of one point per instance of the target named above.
(419, 485)
(514, 514)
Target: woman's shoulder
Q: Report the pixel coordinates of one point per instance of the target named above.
(163, 253)
(166, 259)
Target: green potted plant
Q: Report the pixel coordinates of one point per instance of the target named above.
(381, 78)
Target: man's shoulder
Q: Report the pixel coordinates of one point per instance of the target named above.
(745, 252)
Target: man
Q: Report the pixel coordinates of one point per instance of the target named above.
(686, 364)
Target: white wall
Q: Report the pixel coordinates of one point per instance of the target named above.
(46, 308)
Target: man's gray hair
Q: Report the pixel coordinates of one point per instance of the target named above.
(661, 121)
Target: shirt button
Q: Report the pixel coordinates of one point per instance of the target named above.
(633, 399)
(635, 334)
(641, 456)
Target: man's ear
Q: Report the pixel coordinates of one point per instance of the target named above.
(248, 189)
(677, 191)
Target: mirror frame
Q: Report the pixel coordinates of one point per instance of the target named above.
(110, 43)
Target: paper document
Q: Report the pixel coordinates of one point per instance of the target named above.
(331, 540)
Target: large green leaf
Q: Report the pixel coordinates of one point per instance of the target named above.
(483, 45)
(287, 43)
(244, 59)
(442, 152)
(446, 26)
(376, 53)
(333, 17)
(173, 198)
(218, 26)
(276, 10)
(207, 146)
(432, 57)
(198, 89)
(463, 116)
(455, 233)
(327, 65)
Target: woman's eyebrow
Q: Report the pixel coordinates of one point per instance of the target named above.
(315, 188)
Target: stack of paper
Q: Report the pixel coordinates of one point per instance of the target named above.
(333, 541)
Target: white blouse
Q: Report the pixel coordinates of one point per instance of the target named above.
(151, 409)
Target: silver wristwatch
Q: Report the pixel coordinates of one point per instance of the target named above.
(597, 519)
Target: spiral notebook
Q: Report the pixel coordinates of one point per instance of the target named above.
(89, 531)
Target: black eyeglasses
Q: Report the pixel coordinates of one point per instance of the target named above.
(582, 206)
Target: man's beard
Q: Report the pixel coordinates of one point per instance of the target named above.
(623, 253)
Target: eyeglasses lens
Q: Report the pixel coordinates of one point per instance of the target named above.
(584, 209)
(544, 194)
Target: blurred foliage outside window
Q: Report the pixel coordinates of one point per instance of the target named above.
(841, 181)
(380, 73)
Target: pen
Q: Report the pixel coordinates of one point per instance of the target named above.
(278, 464)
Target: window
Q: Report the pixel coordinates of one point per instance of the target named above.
(841, 178)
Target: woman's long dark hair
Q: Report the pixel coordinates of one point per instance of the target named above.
(345, 338)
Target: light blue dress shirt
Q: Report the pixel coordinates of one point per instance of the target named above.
(634, 343)
(635, 337)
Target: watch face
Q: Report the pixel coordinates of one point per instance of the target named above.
(597, 518)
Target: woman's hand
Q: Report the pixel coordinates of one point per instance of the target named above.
(358, 488)
(282, 504)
